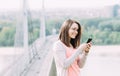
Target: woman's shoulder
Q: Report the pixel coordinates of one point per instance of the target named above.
(58, 44)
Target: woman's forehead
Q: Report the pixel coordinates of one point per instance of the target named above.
(75, 25)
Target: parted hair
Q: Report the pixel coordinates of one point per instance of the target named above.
(64, 36)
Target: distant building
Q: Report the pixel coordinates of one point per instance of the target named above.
(107, 11)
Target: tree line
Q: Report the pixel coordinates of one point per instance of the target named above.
(104, 31)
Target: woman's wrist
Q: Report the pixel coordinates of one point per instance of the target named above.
(86, 51)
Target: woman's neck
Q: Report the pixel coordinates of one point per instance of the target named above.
(71, 46)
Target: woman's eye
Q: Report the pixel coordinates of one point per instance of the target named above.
(74, 29)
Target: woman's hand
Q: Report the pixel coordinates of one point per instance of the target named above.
(88, 46)
(85, 47)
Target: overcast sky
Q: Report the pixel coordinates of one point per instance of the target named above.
(36, 4)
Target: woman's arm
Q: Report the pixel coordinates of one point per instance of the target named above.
(82, 59)
(60, 55)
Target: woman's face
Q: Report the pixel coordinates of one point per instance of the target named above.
(73, 31)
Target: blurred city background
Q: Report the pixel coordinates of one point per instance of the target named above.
(28, 29)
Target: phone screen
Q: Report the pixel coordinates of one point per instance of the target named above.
(89, 40)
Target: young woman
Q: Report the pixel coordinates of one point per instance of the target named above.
(69, 55)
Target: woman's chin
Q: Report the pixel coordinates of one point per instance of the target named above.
(73, 37)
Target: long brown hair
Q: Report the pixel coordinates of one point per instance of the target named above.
(64, 36)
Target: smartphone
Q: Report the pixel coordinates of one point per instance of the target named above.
(89, 40)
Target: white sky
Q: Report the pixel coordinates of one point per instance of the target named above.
(36, 4)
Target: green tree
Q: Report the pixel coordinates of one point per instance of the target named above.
(7, 36)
